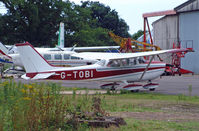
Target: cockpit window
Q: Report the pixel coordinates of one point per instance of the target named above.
(58, 56)
(47, 56)
(126, 62)
(101, 62)
(113, 63)
(141, 60)
(133, 61)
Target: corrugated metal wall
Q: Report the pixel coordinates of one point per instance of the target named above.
(191, 6)
(183, 27)
(189, 34)
(165, 32)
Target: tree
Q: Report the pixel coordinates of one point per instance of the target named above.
(37, 21)
(107, 18)
(85, 31)
(34, 21)
(136, 35)
(93, 37)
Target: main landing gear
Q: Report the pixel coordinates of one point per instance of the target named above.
(111, 86)
(131, 86)
(136, 87)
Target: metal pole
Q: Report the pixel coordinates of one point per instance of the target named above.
(149, 31)
(146, 68)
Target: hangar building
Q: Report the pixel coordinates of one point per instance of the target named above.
(183, 28)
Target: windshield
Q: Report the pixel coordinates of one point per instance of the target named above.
(101, 62)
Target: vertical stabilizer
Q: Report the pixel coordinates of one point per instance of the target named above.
(3, 49)
(61, 36)
(33, 62)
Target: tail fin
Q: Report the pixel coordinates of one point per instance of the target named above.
(3, 49)
(33, 62)
(4, 54)
(61, 36)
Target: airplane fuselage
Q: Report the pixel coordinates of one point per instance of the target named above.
(56, 58)
(97, 72)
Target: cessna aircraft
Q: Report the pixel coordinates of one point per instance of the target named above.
(114, 67)
(54, 56)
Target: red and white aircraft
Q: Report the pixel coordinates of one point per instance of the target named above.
(114, 67)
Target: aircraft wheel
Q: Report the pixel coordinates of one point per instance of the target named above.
(112, 89)
(152, 89)
(135, 90)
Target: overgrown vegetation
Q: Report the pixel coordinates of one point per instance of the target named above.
(41, 107)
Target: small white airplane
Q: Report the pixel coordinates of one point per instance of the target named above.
(114, 68)
(53, 56)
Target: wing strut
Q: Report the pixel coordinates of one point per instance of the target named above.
(146, 68)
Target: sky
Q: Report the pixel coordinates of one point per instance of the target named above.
(131, 10)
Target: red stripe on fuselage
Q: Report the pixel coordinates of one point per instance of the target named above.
(91, 73)
(4, 54)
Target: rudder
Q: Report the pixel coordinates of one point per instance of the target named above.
(32, 60)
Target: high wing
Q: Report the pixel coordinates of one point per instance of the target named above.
(114, 56)
(94, 48)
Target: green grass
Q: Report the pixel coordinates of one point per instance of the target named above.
(155, 125)
(140, 125)
(39, 106)
(141, 102)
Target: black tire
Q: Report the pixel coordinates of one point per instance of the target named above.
(135, 90)
(152, 89)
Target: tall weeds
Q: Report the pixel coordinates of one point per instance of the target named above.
(40, 107)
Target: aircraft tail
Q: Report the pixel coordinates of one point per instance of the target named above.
(4, 54)
(33, 62)
(61, 36)
(3, 49)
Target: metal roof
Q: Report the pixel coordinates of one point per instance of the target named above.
(184, 4)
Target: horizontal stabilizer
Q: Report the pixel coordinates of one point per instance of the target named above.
(38, 76)
(43, 76)
(3, 49)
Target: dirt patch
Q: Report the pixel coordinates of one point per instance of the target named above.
(182, 108)
(82, 92)
(165, 116)
(168, 112)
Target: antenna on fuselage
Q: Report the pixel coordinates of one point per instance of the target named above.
(72, 49)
